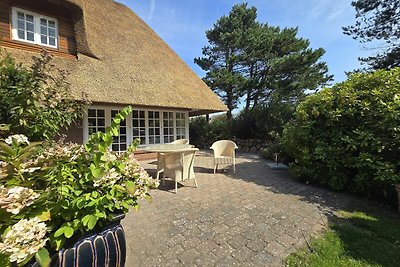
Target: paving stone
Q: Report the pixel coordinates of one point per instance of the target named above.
(188, 256)
(255, 217)
(227, 262)
(208, 259)
(173, 252)
(177, 239)
(191, 242)
(256, 245)
(242, 254)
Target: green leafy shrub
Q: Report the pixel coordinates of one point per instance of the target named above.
(348, 137)
(36, 101)
(203, 133)
(264, 122)
(53, 193)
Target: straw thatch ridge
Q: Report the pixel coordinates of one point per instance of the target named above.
(121, 60)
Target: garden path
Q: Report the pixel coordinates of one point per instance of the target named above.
(255, 217)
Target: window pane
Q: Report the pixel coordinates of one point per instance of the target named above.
(29, 27)
(157, 140)
(52, 32)
(142, 114)
(135, 123)
(52, 41)
(43, 30)
(92, 113)
(92, 122)
(43, 22)
(29, 18)
(115, 147)
(21, 16)
(122, 130)
(101, 129)
(151, 140)
(43, 39)
(21, 24)
(52, 24)
(122, 147)
(101, 122)
(100, 113)
(21, 34)
(29, 36)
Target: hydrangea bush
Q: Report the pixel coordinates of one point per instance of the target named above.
(52, 193)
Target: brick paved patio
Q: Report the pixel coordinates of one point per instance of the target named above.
(253, 218)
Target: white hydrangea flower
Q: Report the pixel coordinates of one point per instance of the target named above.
(109, 156)
(18, 138)
(109, 178)
(25, 238)
(15, 199)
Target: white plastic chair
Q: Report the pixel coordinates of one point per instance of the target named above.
(179, 166)
(224, 153)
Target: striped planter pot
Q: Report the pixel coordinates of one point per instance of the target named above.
(104, 249)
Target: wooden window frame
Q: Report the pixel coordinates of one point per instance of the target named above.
(36, 27)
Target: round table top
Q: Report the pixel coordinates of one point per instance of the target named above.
(164, 148)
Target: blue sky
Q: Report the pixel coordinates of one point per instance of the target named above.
(182, 25)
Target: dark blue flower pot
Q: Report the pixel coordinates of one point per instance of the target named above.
(107, 248)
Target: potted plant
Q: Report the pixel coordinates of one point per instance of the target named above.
(56, 196)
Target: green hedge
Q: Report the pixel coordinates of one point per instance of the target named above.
(348, 137)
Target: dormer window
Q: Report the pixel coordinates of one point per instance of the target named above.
(34, 28)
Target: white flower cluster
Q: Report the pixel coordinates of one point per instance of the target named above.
(109, 178)
(139, 175)
(25, 238)
(17, 138)
(15, 199)
(109, 156)
(61, 150)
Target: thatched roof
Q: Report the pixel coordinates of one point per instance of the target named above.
(122, 60)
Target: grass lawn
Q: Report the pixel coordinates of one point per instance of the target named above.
(354, 239)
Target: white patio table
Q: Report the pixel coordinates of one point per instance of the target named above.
(187, 152)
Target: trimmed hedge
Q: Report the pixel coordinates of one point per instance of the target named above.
(348, 137)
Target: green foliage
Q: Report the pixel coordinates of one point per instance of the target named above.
(13, 155)
(77, 188)
(356, 239)
(262, 63)
(348, 137)
(36, 101)
(203, 133)
(222, 56)
(265, 122)
(378, 20)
